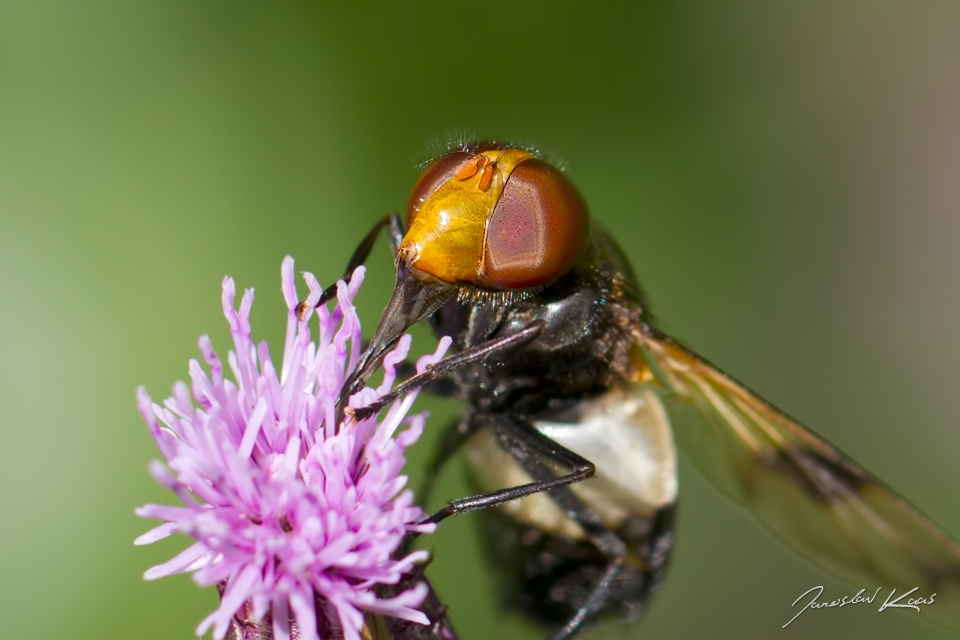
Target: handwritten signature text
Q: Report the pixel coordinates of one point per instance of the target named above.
(892, 601)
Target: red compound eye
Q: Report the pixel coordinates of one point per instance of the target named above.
(537, 230)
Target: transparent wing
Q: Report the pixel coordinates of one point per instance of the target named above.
(804, 490)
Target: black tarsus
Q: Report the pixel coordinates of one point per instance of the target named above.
(595, 601)
(495, 346)
(454, 436)
(361, 253)
(529, 443)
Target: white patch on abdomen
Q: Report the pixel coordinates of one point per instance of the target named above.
(624, 433)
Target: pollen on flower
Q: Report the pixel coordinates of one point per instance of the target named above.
(289, 515)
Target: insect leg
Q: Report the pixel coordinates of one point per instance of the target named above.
(449, 364)
(609, 543)
(595, 602)
(529, 443)
(394, 237)
(440, 387)
(456, 433)
(532, 449)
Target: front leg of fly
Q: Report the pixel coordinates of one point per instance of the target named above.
(451, 364)
(394, 226)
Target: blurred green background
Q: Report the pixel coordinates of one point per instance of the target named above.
(784, 176)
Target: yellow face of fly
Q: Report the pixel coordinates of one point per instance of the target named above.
(447, 228)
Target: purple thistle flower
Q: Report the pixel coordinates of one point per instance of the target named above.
(286, 511)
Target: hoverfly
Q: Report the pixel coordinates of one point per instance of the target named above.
(561, 367)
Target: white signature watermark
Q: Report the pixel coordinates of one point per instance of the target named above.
(892, 601)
